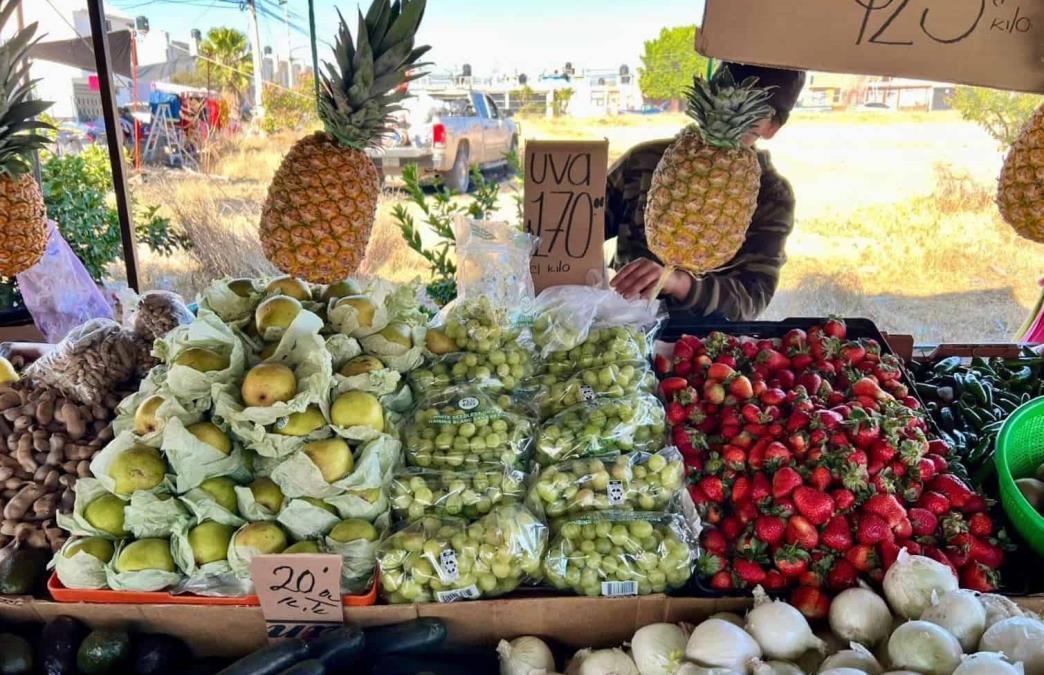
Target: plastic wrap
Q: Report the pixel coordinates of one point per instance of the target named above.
(154, 515)
(417, 493)
(633, 482)
(358, 562)
(91, 361)
(493, 263)
(602, 426)
(463, 427)
(552, 394)
(158, 313)
(193, 460)
(503, 369)
(234, 308)
(446, 560)
(629, 553)
(207, 332)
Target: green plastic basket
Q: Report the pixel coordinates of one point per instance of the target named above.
(1020, 450)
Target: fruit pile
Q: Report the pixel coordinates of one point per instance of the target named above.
(810, 465)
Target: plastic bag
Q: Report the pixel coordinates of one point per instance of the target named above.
(463, 427)
(500, 370)
(633, 482)
(602, 426)
(358, 562)
(493, 263)
(622, 553)
(417, 492)
(551, 394)
(58, 291)
(77, 565)
(446, 560)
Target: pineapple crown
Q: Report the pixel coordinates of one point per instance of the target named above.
(18, 137)
(724, 110)
(360, 92)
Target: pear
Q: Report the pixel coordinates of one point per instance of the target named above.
(279, 311)
(357, 409)
(202, 359)
(267, 384)
(137, 468)
(264, 536)
(352, 529)
(364, 308)
(209, 541)
(244, 288)
(319, 504)
(106, 514)
(99, 547)
(268, 351)
(8, 374)
(145, 419)
(223, 490)
(267, 493)
(303, 547)
(397, 333)
(145, 554)
(332, 456)
(300, 424)
(295, 288)
(438, 342)
(340, 290)
(361, 364)
(212, 435)
(371, 495)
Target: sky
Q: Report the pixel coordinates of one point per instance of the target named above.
(524, 36)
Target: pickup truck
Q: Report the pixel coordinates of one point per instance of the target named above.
(444, 134)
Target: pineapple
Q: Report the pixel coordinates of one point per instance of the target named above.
(705, 188)
(321, 203)
(23, 218)
(1020, 193)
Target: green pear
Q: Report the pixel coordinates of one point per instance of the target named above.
(99, 547)
(145, 554)
(209, 541)
(202, 359)
(279, 311)
(300, 424)
(106, 514)
(267, 493)
(295, 288)
(303, 547)
(341, 289)
(137, 468)
(361, 364)
(320, 504)
(332, 456)
(8, 374)
(267, 384)
(398, 333)
(223, 490)
(438, 342)
(264, 536)
(364, 308)
(357, 409)
(212, 435)
(352, 529)
(244, 288)
(371, 495)
(146, 420)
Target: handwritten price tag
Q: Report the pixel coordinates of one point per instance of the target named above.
(300, 594)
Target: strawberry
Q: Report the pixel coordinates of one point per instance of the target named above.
(672, 385)
(773, 396)
(852, 352)
(720, 372)
(722, 581)
(912, 547)
(802, 533)
(872, 529)
(810, 601)
(714, 541)
(774, 581)
(828, 420)
(887, 507)
(735, 458)
(924, 522)
(662, 365)
(731, 528)
(882, 451)
(956, 490)
(785, 481)
(813, 504)
(978, 577)
(837, 535)
(772, 359)
(709, 564)
(713, 392)
(760, 488)
(863, 557)
(801, 362)
(868, 388)
(741, 388)
(939, 463)
(791, 560)
(748, 572)
(685, 348)
(675, 413)
(798, 421)
(740, 489)
(746, 512)
(843, 498)
(777, 454)
(751, 413)
(936, 502)
(728, 360)
(785, 379)
(770, 529)
(980, 525)
(835, 327)
(713, 488)
(939, 447)
(975, 504)
(794, 339)
(820, 478)
(842, 575)
(889, 551)
(985, 553)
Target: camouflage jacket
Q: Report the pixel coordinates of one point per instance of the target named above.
(745, 286)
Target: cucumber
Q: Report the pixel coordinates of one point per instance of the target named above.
(269, 660)
(410, 637)
(337, 649)
(309, 667)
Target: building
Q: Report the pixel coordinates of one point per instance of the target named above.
(900, 93)
(833, 90)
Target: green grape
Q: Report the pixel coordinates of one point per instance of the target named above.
(602, 426)
(553, 394)
(601, 347)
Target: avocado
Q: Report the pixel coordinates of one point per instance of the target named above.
(158, 654)
(22, 570)
(103, 651)
(16, 656)
(59, 640)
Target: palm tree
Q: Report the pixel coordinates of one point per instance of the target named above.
(230, 62)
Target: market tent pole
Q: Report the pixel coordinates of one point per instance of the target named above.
(315, 51)
(114, 137)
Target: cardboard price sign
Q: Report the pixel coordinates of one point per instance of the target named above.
(300, 594)
(992, 43)
(565, 210)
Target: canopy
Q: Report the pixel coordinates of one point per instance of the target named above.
(79, 53)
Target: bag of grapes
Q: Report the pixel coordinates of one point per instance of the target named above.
(462, 427)
(502, 369)
(551, 394)
(602, 426)
(469, 493)
(632, 482)
(446, 560)
(622, 553)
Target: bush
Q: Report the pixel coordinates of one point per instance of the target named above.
(289, 109)
(1003, 114)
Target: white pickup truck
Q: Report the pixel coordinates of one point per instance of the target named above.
(444, 134)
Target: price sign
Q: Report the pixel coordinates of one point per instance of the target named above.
(300, 594)
(993, 43)
(565, 210)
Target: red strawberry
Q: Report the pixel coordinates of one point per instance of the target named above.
(773, 396)
(794, 339)
(748, 572)
(722, 581)
(975, 504)
(980, 525)
(662, 365)
(937, 555)
(956, 490)
(785, 481)
(912, 547)
(675, 413)
(713, 392)
(714, 541)
(813, 504)
(731, 528)
(837, 534)
(685, 348)
(863, 557)
(760, 488)
(889, 552)
(820, 478)
(741, 388)
(671, 385)
(828, 420)
(903, 529)
(882, 451)
(939, 463)
(868, 388)
(924, 522)
(986, 553)
(887, 507)
(734, 458)
(810, 601)
(978, 577)
(773, 360)
(741, 489)
(713, 488)
(777, 454)
(746, 511)
(843, 498)
(842, 575)
(852, 352)
(720, 371)
(936, 502)
(872, 529)
(939, 447)
(774, 581)
(835, 327)
(770, 529)
(802, 533)
(791, 560)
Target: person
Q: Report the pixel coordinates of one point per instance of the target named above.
(743, 288)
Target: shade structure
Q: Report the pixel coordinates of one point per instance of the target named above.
(79, 53)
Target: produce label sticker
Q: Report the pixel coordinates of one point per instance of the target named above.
(300, 594)
(469, 593)
(615, 490)
(615, 588)
(448, 570)
(587, 393)
(565, 211)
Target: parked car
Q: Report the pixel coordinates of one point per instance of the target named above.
(444, 134)
(875, 106)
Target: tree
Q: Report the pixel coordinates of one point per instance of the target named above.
(669, 64)
(290, 109)
(230, 61)
(1002, 114)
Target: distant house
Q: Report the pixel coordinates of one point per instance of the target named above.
(900, 93)
(833, 90)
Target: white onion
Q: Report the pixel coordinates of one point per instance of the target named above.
(961, 613)
(842, 671)
(731, 617)
(525, 655)
(856, 657)
(608, 662)
(780, 629)
(999, 608)
(860, 615)
(716, 642)
(776, 668)
(1020, 639)
(924, 647)
(987, 663)
(910, 581)
(692, 669)
(659, 648)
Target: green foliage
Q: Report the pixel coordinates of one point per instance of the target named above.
(527, 102)
(669, 64)
(560, 101)
(290, 109)
(230, 65)
(1002, 114)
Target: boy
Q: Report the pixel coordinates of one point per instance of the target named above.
(744, 287)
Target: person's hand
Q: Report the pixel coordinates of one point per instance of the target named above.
(639, 277)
